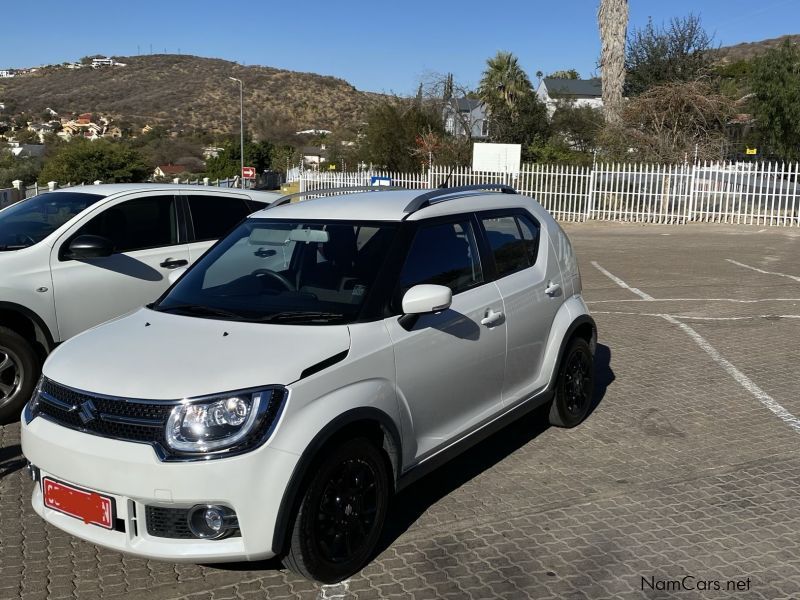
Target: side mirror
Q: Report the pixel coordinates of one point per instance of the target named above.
(176, 274)
(427, 298)
(90, 246)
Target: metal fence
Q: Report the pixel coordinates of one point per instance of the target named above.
(735, 193)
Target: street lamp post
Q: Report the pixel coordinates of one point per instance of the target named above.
(241, 128)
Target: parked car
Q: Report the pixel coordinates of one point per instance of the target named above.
(76, 257)
(318, 359)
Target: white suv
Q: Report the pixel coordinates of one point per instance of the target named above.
(76, 257)
(322, 356)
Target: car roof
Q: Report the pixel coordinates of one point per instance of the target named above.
(391, 205)
(108, 189)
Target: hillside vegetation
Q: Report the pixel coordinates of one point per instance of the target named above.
(190, 92)
(749, 50)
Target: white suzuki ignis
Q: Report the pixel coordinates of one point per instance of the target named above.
(322, 356)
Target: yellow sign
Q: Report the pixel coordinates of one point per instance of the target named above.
(751, 151)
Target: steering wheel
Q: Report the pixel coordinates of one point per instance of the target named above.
(277, 276)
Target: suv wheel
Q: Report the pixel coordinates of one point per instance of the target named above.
(19, 369)
(341, 514)
(574, 386)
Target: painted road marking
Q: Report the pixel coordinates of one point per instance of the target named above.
(737, 263)
(618, 312)
(696, 300)
(621, 283)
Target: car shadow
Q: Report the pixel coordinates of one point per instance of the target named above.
(11, 460)
(125, 265)
(412, 502)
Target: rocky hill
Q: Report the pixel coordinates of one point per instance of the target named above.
(749, 50)
(190, 92)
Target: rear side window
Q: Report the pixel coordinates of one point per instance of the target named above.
(136, 224)
(214, 216)
(443, 254)
(514, 240)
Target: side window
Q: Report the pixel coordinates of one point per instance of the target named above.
(149, 222)
(443, 254)
(508, 246)
(214, 216)
(530, 233)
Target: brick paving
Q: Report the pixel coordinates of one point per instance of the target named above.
(679, 471)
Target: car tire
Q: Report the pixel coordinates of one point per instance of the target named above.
(19, 371)
(341, 513)
(574, 389)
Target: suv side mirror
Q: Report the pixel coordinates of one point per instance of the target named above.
(427, 298)
(90, 246)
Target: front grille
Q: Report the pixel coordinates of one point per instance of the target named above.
(168, 523)
(129, 420)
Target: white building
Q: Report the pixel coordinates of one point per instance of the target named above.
(6, 73)
(579, 92)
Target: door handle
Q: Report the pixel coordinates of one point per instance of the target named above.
(172, 263)
(491, 317)
(552, 289)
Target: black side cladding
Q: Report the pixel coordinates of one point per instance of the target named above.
(323, 364)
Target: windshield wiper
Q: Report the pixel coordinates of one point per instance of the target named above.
(199, 309)
(300, 315)
(14, 247)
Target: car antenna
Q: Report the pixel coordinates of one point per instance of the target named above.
(446, 183)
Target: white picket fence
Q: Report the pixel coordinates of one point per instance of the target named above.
(734, 193)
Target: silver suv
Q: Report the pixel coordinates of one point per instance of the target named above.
(76, 257)
(319, 358)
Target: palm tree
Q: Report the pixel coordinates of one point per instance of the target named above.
(503, 81)
(613, 21)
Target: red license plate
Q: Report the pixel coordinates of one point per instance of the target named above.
(89, 507)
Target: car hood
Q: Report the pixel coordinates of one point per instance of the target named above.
(160, 356)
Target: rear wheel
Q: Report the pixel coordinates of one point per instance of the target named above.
(574, 386)
(19, 369)
(341, 513)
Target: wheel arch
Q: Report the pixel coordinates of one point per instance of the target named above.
(583, 326)
(29, 325)
(368, 422)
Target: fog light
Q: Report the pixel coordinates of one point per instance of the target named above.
(210, 521)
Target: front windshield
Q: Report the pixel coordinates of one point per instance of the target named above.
(29, 221)
(287, 272)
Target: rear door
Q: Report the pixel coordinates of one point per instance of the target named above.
(449, 365)
(526, 268)
(210, 216)
(147, 245)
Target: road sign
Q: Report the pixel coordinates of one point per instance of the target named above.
(496, 158)
(248, 172)
(378, 180)
(751, 151)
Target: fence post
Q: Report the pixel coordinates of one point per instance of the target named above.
(690, 211)
(51, 185)
(590, 194)
(430, 175)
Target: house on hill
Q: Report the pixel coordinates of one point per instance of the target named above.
(466, 115)
(578, 92)
(169, 170)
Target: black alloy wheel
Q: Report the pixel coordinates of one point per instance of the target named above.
(574, 387)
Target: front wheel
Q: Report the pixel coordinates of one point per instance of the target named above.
(341, 514)
(19, 370)
(574, 386)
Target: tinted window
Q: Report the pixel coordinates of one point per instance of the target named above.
(530, 233)
(30, 221)
(214, 216)
(443, 254)
(507, 245)
(136, 224)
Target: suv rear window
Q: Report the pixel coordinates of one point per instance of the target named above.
(514, 240)
(214, 216)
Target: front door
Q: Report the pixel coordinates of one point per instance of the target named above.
(144, 231)
(449, 365)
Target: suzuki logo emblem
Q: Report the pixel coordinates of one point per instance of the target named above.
(87, 412)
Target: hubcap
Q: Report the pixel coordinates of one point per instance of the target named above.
(577, 383)
(11, 375)
(347, 510)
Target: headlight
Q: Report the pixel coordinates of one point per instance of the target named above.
(32, 407)
(221, 422)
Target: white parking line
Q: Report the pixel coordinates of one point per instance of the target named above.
(737, 263)
(748, 384)
(334, 591)
(621, 283)
(685, 317)
(696, 300)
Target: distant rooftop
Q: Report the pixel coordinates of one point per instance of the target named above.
(574, 88)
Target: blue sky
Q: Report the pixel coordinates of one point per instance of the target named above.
(375, 46)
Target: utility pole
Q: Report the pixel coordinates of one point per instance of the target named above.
(241, 128)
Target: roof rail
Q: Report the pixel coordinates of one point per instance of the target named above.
(340, 190)
(428, 198)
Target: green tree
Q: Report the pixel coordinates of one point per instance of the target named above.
(776, 101)
(578, 126)
(504, 82)
(673, 53)
(83, 161)
(391, 135)
(612, 19)
(564, 74)
(523, 124)
(24, 169)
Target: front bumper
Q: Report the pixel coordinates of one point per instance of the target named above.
(252, 484)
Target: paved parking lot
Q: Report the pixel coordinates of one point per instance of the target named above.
(682, 483)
